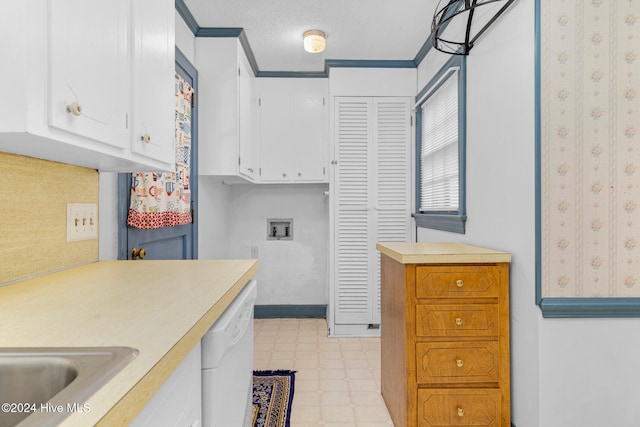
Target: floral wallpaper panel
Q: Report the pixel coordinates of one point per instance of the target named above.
(590, 148)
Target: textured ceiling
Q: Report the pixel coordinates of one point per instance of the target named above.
(356, 29)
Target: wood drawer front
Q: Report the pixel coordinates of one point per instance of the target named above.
(457, 320)
(474, 281)
(456, 363)
(459, 407)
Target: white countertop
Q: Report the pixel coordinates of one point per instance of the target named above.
(160, 308)
(440, 253)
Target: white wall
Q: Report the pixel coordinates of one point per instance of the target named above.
(185, 40)
(108, 217)
(291, 271)
(213, 218)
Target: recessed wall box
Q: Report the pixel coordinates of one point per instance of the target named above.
(280, 229)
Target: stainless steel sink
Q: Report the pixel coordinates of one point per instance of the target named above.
(42, 386)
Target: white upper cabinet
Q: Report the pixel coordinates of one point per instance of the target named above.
(72, 75)
(153, 113)
(246, 119)
(293, 129)
(88, 60)
(227, 109)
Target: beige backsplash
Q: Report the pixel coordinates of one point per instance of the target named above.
(34, 194)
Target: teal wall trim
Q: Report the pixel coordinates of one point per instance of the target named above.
(218, 32)
(590, 307)
(296, 74)
(537, 159)
(232, 32)
(290, 311)
(187, 17)
(247, 51)
(424, 50)
(368, 63)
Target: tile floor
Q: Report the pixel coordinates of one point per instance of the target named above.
(337, 380)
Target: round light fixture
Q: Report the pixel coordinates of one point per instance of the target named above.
(314, 41)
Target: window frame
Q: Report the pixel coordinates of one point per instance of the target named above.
(452, 221)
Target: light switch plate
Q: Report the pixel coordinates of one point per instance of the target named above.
(82, 221)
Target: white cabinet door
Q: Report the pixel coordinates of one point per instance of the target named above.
(153, 128)
(275, 150)
(89, 69)
(293, 130)
(246, 118)
(371, 201)
(179, 401)
(309, 136)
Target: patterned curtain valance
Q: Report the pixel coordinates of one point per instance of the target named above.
(163, 199)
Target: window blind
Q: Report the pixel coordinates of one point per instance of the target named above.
(439, 171)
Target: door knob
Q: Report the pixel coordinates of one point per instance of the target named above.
(138, 253)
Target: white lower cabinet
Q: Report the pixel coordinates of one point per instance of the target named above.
(293, 129)
(70, 80)
(178, 402)
(371, 202)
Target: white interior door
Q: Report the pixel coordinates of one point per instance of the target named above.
(372, 199)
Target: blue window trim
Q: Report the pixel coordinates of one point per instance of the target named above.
(569, 307)
(453, 222)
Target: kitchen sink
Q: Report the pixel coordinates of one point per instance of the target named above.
(42, 386)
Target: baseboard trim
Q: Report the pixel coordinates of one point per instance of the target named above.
(290, 311)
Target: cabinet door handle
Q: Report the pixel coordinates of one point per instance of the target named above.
(74, 108)
(459, 283)
(146, 138)
(459, 321)
(459, 363)
(460, 412)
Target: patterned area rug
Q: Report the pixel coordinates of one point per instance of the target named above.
(272, 398)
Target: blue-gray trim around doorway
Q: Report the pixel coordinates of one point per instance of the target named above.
(290, 311)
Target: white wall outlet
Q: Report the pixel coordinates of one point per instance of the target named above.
(82, 221)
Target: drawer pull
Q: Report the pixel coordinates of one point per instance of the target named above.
(459, 321)
(460, 412)
(459, 283)
(459, 363)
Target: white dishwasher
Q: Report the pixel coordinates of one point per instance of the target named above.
(227, 364)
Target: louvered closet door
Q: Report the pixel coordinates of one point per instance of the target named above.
(353, 234)
(392, 209)
(372, 198)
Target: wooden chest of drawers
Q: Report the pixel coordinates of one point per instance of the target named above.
(445, 334)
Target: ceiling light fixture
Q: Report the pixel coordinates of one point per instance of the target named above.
(314, 41)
